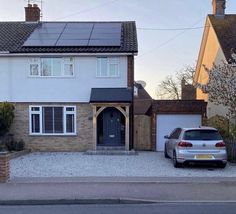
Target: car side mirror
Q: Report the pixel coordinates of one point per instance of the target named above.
(166, 137)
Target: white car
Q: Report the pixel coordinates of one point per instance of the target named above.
(203, 144)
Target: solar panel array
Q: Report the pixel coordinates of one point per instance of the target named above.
(75, 34)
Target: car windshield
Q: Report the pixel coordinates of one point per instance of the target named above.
(202, 135)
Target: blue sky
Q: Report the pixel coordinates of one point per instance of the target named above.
(161, 52)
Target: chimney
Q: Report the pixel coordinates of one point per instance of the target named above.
(219, 7)
(32, 13)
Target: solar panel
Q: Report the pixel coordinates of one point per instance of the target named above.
(105, 36)
(76, 34)
(39, 43)
(72, 42)
(104, 42)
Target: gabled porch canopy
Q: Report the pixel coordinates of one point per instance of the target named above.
(116, 98)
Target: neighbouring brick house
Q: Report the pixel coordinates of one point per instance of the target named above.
(71, 82)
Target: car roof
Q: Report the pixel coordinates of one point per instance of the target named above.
(200, 128)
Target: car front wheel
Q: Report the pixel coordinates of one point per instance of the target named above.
(222, 165)
(166, 154)
(175, 162)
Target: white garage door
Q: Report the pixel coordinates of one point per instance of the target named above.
(167, 122)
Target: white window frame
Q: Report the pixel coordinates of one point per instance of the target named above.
(110, 61)
(64, 61)
(40, 112)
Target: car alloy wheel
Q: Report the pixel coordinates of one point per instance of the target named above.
(175, 162)
(165, 152)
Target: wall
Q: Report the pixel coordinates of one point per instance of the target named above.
(81, 142)
(17, 86)
(5, 75)
(210, 53)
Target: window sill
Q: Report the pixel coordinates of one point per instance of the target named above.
(51, 77)
(53, 135)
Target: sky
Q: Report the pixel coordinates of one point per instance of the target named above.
(163, 48)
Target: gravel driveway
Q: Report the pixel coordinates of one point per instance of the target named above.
(145, 164)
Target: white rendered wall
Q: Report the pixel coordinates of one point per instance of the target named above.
(17, 86)
(5, 83)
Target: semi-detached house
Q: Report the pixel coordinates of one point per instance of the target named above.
(71, 82)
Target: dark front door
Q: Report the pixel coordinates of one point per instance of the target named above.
(111, 127)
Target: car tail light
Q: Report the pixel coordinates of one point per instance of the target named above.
(185, 144)
(220, 144)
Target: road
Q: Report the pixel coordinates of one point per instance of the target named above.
(162, 208)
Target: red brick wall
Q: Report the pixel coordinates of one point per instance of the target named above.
(4, 167)
(130, 78)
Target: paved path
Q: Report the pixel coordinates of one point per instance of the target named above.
(151, 191)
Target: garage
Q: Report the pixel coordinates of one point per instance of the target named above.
(165, 123)
(170, 114)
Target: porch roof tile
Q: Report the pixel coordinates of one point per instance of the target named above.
(111, 95)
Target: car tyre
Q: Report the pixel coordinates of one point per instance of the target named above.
(222, 165)
(175, 162)
(165, 152)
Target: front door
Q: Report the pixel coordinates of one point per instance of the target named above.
(111, 127)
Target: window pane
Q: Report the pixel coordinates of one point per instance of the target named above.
(102, 67)
(35, 109)
(56, 67)
(68, 70)
(46, 67)
(47, 120)
(70, 108)
(70, 123)
(202, 135)
(113, 70)
(58, 120)
(35, 123)
(34, 70)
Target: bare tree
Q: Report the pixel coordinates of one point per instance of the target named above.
(170, 87)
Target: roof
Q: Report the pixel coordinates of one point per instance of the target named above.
(14, 34)
(179, 106)
(111, 95)
(225, 29)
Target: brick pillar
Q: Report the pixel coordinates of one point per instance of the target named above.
(4, 167)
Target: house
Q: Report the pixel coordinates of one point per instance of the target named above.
(219, 39)
(71, 82)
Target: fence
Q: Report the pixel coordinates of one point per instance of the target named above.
(231, 149)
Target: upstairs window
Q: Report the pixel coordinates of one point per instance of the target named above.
(107, 67)
(51, 67)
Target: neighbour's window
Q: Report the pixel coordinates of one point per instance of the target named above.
(52, 120)
(51, 67)
(107, 67)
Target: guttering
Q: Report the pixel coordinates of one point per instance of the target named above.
(8, 54)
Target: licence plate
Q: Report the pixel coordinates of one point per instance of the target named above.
(204, 156)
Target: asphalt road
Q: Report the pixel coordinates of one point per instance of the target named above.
(162, 208)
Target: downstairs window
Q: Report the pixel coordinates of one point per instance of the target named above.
(52, 120)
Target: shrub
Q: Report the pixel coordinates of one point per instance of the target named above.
(221, 123)
(6, 117)
(20, 145)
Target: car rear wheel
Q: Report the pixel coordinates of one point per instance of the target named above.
(222, 165)
(166, 154)
(175, 162)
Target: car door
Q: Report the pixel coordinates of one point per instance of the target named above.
(173, 139)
